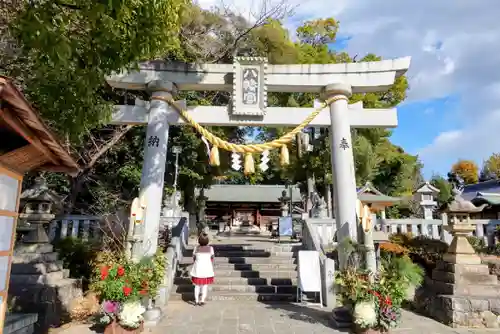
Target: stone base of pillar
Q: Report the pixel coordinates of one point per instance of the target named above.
(41, 285)
(461, 295)
(152, 317)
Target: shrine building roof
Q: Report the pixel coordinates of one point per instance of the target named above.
(249, 193)
(27, 142)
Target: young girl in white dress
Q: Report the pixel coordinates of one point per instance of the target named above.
(202, 273)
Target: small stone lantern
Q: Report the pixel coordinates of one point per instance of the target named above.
(425, 195)
(459, 226)
(37, 204)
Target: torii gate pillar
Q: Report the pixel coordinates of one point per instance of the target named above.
(154, 164)
(343, 172)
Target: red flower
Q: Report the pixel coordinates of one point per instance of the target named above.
(388, 301)
(143, 292)
(104, 272)
(127, 290)
(121, 271)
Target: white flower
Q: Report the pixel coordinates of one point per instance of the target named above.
(365, 314)
(105, 319)
(130, 314)
(410, 292)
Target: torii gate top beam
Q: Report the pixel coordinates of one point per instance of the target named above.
(363, 77)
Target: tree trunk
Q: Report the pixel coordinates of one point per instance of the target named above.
(76, 186)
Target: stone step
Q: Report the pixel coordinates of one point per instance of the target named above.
(50, 301)
(268, 248)
(33, 248)
(18, 323)
(256, 266)
(462, 269)
(35, 258)
(483, 290)
(33, 279)
(249, 273)
(228, 280)
(248, 260)
(266, 289)
(36, 268)
(231, 296)
(464, 278)
(247, 253)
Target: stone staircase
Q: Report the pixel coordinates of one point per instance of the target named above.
(245, 272)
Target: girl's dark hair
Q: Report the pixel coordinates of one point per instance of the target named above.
(203, 239)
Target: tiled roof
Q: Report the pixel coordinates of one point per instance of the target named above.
(249, 193)
(471, 191)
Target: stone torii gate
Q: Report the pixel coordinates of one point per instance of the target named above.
(249, 79)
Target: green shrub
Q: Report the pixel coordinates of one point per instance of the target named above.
(402, 239)
(478, 244)
(423, 250)
(77, 256)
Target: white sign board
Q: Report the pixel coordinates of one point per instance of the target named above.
(6, 226)
(4, 269)
(309, 271)
(8, 193)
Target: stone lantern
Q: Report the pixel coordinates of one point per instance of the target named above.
(37, 204)
(459, 226)
(425, 195)
(461, 287)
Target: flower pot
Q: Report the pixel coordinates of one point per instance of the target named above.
(115, 328)
(370, 331)
(360, 330)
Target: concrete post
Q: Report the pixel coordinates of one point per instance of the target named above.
(153, 168)
(342, 162)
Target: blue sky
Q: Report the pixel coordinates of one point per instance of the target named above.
(452, 110)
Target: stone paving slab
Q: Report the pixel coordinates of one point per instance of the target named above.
(259, 318)
(221, 317)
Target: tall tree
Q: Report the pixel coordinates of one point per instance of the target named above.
(62, 53)
(491, 168)
(467, 170)
(445, 189)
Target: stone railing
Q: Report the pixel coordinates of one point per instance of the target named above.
(75, 226)
(325, 229)
(174, 254)
(433, 228)
(315, 235)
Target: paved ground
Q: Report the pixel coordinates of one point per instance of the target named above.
(258, 318)
(225, 317)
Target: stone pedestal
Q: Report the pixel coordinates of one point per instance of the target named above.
(461, 292)
(39, 284)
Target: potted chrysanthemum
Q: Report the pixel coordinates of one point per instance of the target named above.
(376, 299)
(120, 287)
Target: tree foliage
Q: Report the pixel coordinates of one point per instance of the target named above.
(69, 47)
(445, 189)
(491, 168)
(467, 170)
(200, 36)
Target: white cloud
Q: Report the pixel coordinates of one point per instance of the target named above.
(455, 49)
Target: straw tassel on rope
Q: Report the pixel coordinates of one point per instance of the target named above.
(249, 164)
(214, 156)
(285, 157)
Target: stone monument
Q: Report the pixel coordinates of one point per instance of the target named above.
(39, 283)
(461, 292)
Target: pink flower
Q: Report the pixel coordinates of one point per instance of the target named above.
(109, 306)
